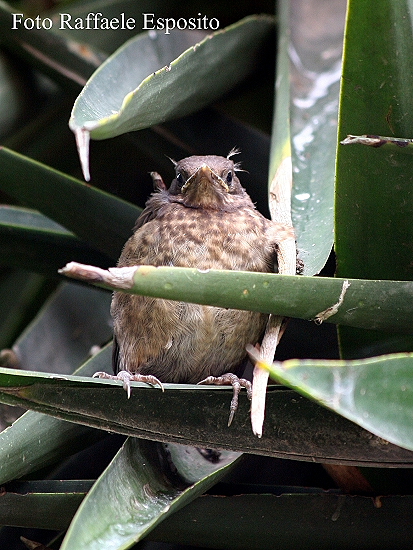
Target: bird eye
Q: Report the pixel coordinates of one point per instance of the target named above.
(229, 177)
(180, 178)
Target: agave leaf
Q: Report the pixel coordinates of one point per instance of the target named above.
(35, 441)
(21, 294)
(353, 302)
(52, 503)
(376, 393)
(62, 334)
(144, 67)
(374, 233)
(240, 520)
(163, 416)
(29, 240)
(100, 219)
(158, 76)
(264, 521)
(145, 483)
(303, 142)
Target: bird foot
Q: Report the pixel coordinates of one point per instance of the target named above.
(128, 377)
(230, 379)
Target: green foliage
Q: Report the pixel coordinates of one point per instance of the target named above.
(179, 73)
(50, 217)
(373, 199)
(376, 393)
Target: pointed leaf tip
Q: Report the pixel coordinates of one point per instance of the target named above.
(82, 142)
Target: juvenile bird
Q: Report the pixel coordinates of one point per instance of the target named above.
(205, 220)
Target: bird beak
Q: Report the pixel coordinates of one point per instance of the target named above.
(205, 176)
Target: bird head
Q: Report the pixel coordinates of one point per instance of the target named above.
(206, 182)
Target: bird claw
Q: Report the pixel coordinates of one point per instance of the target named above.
(128, 377)
(230, 379)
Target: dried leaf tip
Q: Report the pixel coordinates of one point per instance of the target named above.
(115, 277)
(259, 388)
(33, 545)
(256, 357)
(82, 142)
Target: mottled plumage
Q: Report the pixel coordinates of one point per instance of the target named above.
(205, 220)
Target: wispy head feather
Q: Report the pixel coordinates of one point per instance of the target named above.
(234, 151)
(237, 165)
(172, 160)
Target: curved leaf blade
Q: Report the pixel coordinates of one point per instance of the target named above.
(72, 321)
(31, 241)
(131, 91)
(52, 503)
(376, 393)
(145, 94)
(328, 519)
(144, 484)
(360, 303)
(374, 233)
(98, 218)
(79, 319)
(36, 440)
(377, 90)
(163, 416)
(304, 133)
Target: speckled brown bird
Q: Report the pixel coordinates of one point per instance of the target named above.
(205, 220)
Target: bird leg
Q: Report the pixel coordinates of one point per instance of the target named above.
(127, 377)
(230, 379)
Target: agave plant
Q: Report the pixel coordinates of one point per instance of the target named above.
(63, 468)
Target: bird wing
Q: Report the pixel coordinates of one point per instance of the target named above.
(153, 205)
